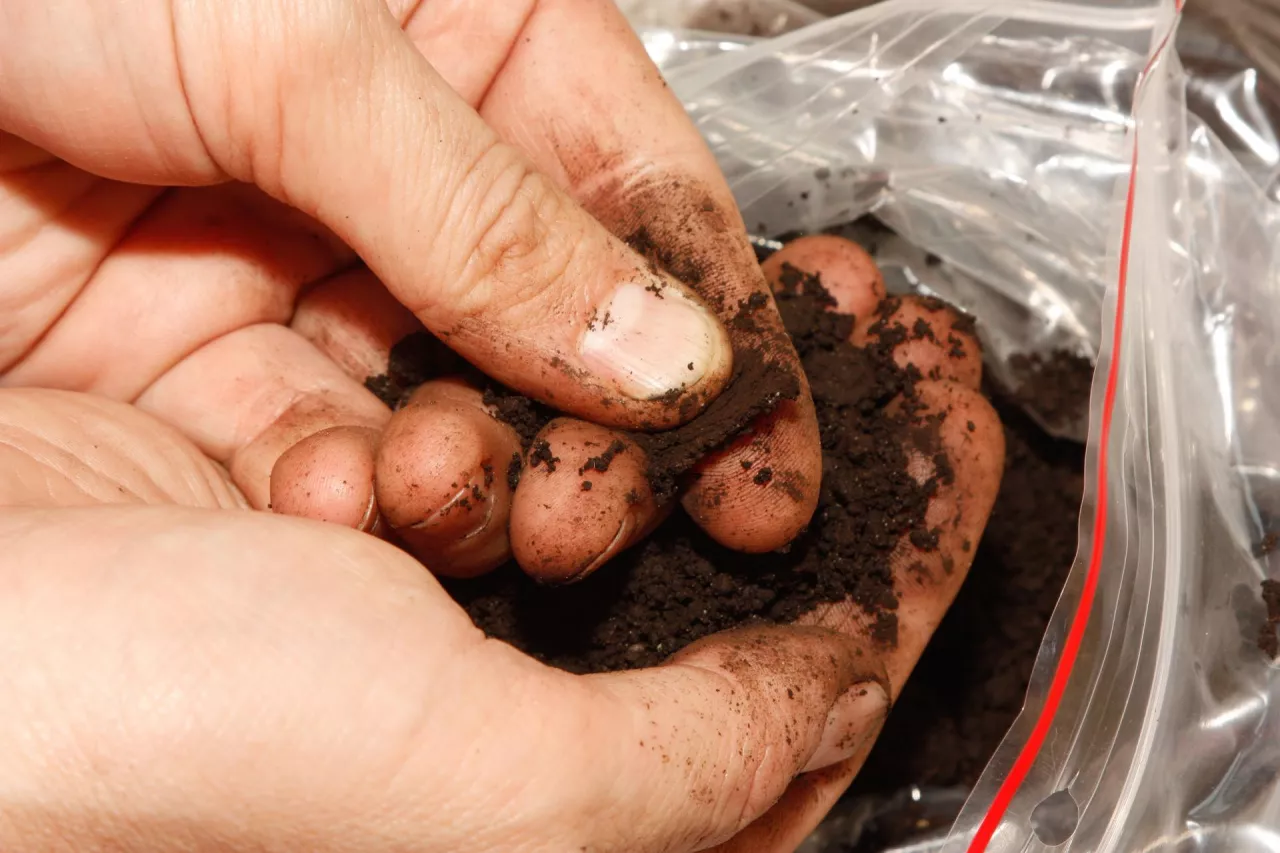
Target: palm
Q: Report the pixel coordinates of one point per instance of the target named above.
(142, 606)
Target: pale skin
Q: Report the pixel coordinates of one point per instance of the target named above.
(188, 667)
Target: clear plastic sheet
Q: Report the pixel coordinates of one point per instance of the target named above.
(1003, 137)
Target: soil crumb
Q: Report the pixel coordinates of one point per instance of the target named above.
(679, 586)
(413, 360)
(602, 462)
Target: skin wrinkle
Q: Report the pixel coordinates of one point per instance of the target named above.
(47, 465)
(43, 215)
(289, 399)
(509, 52)
(92, 263)
(198, 483)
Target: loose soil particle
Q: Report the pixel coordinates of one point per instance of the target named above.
(678, 585)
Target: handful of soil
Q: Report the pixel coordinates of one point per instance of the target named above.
(679, 585)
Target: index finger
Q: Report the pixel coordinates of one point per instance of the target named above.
(568, 82)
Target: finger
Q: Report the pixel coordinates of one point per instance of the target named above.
(958, 444)
(645, 173)
(727, 726)
(325, 476)
(670, 758)
(446, 470)
(61, 449)
(248, 397)
(926, 334)
(490, 254)
(797, 814)
(844, 268)
(563, 525)
(196, 266)
(231, 278)
(584, 498)
(355, 321)
(352, 319)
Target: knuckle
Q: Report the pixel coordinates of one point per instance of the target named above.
(521, 245)
(754, 790)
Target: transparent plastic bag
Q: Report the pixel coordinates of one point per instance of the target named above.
(1045, 151)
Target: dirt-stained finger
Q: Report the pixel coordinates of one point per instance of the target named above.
(844, 268)
(928, 335)
(954, 441)
(959, 440)
(584, 497)
(769, 473)
(729, 723)
(445, 474)
(647, 176)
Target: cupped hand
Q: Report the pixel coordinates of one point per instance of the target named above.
(181, 672)
(228, 213)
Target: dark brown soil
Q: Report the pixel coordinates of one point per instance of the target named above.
(678, 586)
(971, 680)
(1054, 387)
(1268, 642)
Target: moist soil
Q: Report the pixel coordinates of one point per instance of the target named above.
(678, 585)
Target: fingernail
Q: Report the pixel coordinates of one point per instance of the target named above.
(620, 539)
(650, 340)
(370, 517)
(469, 503)
(853, 722)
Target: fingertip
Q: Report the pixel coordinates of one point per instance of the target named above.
(583, 498)
(847, 271)
(441, 479)
(926, 334)
(328, 476)
(760, 492)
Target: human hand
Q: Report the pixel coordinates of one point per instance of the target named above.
(477, 190)
(180, 672)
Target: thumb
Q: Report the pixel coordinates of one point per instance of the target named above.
(337, 113)
(686, 755)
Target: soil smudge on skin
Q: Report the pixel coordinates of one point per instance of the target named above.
(971, 680)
